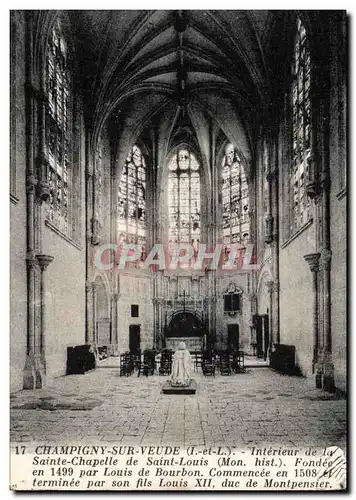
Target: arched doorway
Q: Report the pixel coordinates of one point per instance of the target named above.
(186, 327)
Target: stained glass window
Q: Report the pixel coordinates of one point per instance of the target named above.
(265, 187)
(59, 129)
(132, 201)
(301, 126)
(184, 199)
(235, 201)
(98, 180)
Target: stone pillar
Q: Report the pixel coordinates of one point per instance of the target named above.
(213, 303)
(328, 366)
(44, 261)
(94, 312)
(114, 325)
(313, 260)
(161, 340)
(88, 313)
(253, 311)
(156, 329)
(270, 286)
(33, 372)
(272, 236)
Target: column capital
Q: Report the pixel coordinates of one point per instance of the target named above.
(43, 190)
(44, 261)
(268, 233)
(272, 286)
(31, 261)
(325, 259)
(313, 260)
(313, 187)
(31, 182)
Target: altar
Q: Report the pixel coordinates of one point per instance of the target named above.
(191, 343)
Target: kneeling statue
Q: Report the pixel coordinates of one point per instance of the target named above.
(180, 376)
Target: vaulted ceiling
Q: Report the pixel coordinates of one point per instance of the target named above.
(143, 67)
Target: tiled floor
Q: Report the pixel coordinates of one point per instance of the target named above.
(258, 407)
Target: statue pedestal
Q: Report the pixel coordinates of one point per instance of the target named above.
(188, 389)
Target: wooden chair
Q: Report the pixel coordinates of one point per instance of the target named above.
(225, 364)
(147, 364)
(127, 365)
(197, 359)
(208, 364)
(166, 363)
(239, 362)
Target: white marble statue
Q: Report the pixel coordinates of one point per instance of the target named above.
(180, 376)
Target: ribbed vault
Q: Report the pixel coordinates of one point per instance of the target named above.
(147, 65)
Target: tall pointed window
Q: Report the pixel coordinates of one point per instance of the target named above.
(184, 199)
(59, 130)
(300, 127)
(99, 181)
(97, 221)
(235, 200)
(132, 200)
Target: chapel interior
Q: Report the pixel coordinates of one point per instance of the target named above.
(210, 129)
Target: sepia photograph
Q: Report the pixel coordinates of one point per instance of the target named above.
(178, 250)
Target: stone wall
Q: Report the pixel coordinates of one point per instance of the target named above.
(338, 205)
(135, 290)
(65, 300)
(18, 280)
(242, 318)
(339, 290)
(296, 313)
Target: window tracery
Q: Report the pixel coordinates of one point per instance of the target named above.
(184, 199)
(59, 129)
(132, 201)
(235, 201)
(301, 106)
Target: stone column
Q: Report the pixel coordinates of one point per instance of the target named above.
(270, 286)
(161, 341)
(94, 313)
(272, 236)
(313, 260)
(32, 378)
(44, 261)
(155, 323)
(33, 369)
(328, 366)
(253, 311)
(88, 313)
(213, 303)
(114, 326)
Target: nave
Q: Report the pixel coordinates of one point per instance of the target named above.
(178, 176)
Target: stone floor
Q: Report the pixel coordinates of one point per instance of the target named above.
(257, 407)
